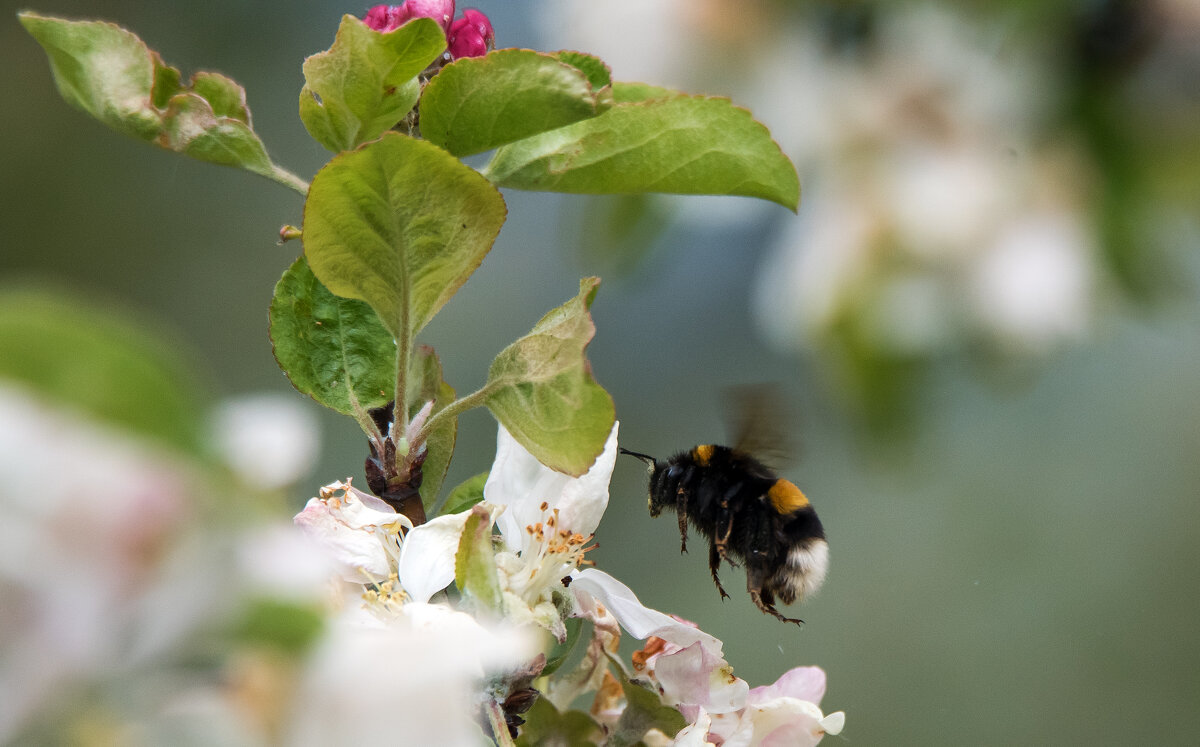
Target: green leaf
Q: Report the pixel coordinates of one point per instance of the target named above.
(225, 97)
(560, 651)
(401, 224)
(367, 81)
(475, 564)
(677, 144)
(477, 103)
(597, 71)
(644, 711)
(465, 495)
(631, 93)
(425, 384)
(109, 367)
(541, 388)
(102, 69)
(167, 82)
(546, 726)
(333, 349)
(280, 624)
(112, 75)
(191, 127)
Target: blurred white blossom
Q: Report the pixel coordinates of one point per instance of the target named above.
(89, 515)
(414, 680)
(936, 214)
(269, 440)
(918, 214)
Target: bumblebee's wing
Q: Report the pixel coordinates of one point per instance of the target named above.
(761, 424)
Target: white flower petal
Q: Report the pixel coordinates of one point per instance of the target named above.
(427, 555)
(354, 550)
(834, 722)
(360, 510)
(804, 683)
(585, 498)
(696, 676)
(786, 722)
(522, 484)
(638, 620)
(695, 734)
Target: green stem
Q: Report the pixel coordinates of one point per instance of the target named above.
(403, 355)
(366, 422)
(287, 179)
(499, 725)
(456, 408)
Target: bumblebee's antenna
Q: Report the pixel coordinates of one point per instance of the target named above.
(649, 460)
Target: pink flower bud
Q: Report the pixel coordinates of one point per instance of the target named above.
(391, 17)
(383, 18)
(471, 35)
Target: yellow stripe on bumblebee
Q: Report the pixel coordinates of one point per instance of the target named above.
(786, 497)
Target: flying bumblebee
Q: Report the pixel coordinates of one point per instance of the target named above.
(748, 514)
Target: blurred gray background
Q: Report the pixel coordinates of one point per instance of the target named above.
(1018, 563)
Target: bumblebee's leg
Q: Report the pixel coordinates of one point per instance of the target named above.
(726, 517)
(681, 501)
(763, 598)
(721, 542)
(714, 561)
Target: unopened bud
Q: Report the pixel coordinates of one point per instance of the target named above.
(471, 35)
(391, 17)
(287, 233)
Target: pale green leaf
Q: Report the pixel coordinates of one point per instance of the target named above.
(673, 143)
(401, 224)
(112, 75)
(101, 68)
(192, 128)
(367, 81)
(475, 565)
(541, 388)
(224, 96)
(597, 71)
(477, 103)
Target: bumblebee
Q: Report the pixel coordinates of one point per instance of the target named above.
(748, 514)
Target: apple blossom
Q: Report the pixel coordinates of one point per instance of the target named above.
(783, 713)
(546, 521)
(374, 544)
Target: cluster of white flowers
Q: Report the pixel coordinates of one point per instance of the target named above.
(118, 575)
(936, 213)
(424, 641)
(936, 216)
